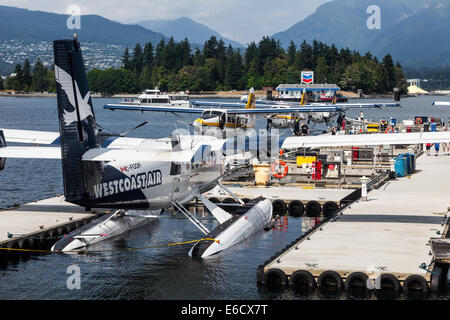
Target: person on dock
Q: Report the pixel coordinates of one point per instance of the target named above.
(339, 121)
(445, 146)
(333, 131)
(436, 148)
(361, 116)
(428, 147)
(305, 129)
(297, 126)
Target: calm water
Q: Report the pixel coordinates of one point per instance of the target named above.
(163, 273)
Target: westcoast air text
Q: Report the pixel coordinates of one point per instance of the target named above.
(138, 181)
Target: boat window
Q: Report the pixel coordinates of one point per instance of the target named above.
(158, 100)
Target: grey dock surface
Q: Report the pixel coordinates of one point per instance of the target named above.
(36, 217)
(391, 231)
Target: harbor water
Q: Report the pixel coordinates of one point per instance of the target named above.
(158, 273)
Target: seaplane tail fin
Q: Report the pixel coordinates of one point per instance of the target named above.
(303, 101)
(251, 99)
(77, 126)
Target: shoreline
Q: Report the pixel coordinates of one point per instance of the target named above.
(207, 95)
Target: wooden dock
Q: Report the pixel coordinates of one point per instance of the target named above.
(28, 226)
(389, 234)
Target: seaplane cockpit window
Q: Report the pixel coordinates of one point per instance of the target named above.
(242, 121)
(211, 114)
(175, 169)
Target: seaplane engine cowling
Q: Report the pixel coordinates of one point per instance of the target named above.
(281, 123)
(320, 117)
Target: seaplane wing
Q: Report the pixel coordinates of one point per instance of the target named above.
(102, 154)
(266, 110)
(31, 136)
(281, 110)
(31, 152)
(107, 154)
(347, 106)
(269, 104)
(365, 139)
(218, 104)
(53, 138)
(441, 103)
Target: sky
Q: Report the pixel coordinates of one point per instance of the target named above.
(240, 20)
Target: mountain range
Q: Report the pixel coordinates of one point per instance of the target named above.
(34, 26)
(184, 27)
(412, 31)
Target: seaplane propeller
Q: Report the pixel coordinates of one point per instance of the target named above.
(111, 133)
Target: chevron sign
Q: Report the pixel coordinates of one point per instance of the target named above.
(308, 77)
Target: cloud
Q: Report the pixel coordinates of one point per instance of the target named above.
(243, 21)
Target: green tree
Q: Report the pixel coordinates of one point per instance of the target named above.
(51, 80)
(39, 82)
(137, 62)
(291, 53)
(322, 71)
(93, 80)
(400, 79)
(126, 59)
(148, 55)
(145, 79)
(233, 70)
(27, 77)
(388, 65)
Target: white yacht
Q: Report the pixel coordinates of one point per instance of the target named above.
(154, 97)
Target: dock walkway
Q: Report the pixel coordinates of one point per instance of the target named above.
(389, 232)
(51, 216)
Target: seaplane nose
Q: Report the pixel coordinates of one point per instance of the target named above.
(197, 122)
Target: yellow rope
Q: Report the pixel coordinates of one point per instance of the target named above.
(112, 250)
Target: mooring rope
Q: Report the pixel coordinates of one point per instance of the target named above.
(111, 250)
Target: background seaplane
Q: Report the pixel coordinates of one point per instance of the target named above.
(152, 174)
(230, 119)
(319, 112)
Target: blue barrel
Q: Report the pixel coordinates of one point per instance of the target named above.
(412, 156)
(409, 162)
(400, 167)
(433, 127)
(393, 122)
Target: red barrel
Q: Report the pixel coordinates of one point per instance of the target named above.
(316, 170)
(355, 153)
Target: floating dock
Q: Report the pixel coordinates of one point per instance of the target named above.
(37, 225)
(291, 200)
(386, 237)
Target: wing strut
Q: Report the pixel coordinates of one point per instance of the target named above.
(191, 217)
